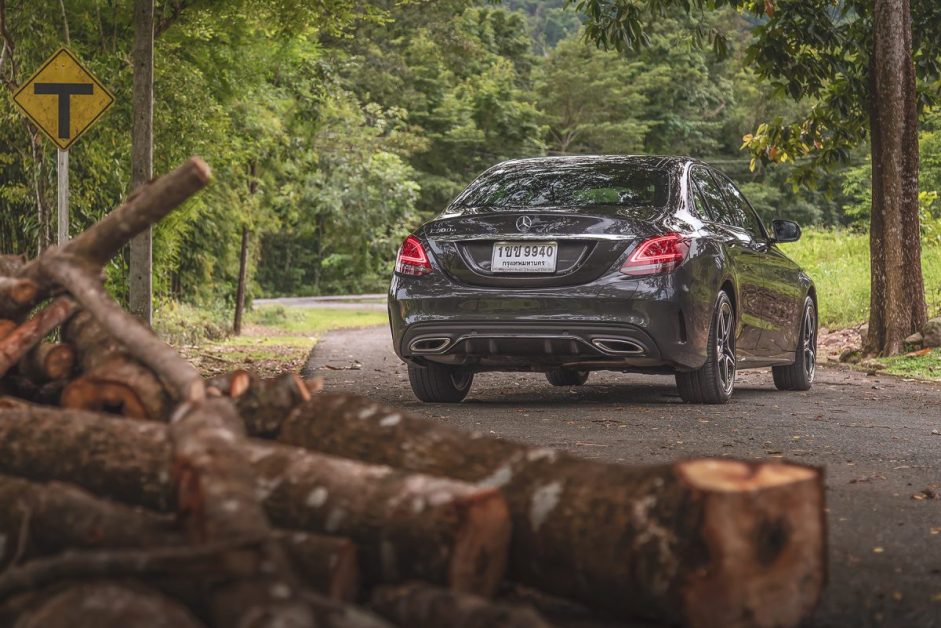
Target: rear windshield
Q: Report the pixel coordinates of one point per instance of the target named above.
(567, 186)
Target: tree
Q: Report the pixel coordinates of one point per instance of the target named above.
(856, 60)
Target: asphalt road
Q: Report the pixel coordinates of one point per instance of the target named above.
(878, 437)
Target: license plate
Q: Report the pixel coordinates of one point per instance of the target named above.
(524, 257)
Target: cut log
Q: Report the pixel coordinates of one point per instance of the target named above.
(265, 402)
(112, 380)
(105, 605)
(217, 500)
(16, 293)
(25, 388)
(232, 384)
(406, 525)
(146, 206)
(46, 519)
(48, 361)
(18, 342)
(700, 542)
(419, 605)
(179, 376)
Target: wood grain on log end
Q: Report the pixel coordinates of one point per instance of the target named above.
(87, 393)
(6, 327)
(765, 534)
(480, 555)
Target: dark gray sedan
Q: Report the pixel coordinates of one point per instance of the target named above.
(566, 265)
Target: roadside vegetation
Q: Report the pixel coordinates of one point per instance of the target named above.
(275, 339)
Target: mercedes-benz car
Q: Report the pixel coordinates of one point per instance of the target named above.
(567, 265)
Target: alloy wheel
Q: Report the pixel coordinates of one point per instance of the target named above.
(725, 346)
(809, 341)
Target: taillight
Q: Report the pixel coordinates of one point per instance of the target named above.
(659, 254)
(412, 259)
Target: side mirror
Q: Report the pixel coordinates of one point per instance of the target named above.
(785, 230)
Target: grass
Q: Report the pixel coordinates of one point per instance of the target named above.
(838, 262)
(275, 339)
(926, 366)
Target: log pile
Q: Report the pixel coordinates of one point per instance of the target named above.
(134, 492)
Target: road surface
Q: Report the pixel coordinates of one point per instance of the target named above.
(879, 439)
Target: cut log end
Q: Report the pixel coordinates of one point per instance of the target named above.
(102, 396)
(480, 554)
(766, 539)
(200, 169)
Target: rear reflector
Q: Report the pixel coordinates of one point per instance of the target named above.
(412, 259)
(659, 254)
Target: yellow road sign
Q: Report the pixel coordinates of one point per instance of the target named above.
(63, 98)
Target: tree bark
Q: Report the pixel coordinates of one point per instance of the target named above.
(897, 298)
(111, 381)
(233, 384)
(140, 265)
(265, 402)
(700, 542)
(106, 605)
(406, 525)
(418, 605)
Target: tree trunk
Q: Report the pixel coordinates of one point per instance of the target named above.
(897, 299)
(406, 525)
(140, 266)
(419, 605)
(240, 289)
(700, 542)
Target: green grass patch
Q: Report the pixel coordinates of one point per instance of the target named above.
(303, 320)
(916, 366)
(838, 262)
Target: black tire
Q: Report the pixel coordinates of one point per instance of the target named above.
(566, 377)
(439, 383)
(714, 381)
(800, 375)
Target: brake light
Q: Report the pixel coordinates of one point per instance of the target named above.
(659, 254)
(412, 259)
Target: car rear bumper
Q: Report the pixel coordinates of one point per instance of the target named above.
(612, 326)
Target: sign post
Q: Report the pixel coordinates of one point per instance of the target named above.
(62, 170)
(64, 100)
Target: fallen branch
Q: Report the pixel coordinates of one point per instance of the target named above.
(147, 205)
(48, 362)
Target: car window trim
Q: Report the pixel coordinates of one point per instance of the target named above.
(761, 225)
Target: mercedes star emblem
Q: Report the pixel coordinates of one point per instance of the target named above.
(524, 223)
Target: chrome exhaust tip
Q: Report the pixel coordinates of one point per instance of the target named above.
(618, 346)
(429, 345)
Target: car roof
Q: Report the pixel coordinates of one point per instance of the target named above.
(649, 161)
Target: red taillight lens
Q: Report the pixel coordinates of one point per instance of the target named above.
(659, 254)
(412, 259)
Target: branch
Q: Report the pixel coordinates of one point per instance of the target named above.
(146, 206)
(176, 8)
(26, 336)
(73, 274)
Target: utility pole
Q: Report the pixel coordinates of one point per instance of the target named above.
(142, 154)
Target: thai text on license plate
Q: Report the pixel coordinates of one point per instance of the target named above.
(524, 257)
